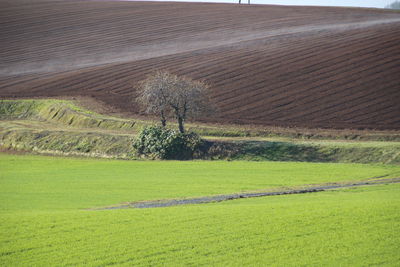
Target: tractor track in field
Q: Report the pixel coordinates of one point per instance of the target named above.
(220, 198)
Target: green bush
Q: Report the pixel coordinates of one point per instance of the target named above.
(158, 142)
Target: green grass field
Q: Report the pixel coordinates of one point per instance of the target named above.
(44, 221)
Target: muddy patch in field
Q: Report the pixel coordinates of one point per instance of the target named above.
(280, 191)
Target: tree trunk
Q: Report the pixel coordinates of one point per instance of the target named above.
(180, 122)
(163, 119)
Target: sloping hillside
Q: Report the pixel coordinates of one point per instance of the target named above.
(271, 65)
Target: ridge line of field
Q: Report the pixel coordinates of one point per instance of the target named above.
(279, 191)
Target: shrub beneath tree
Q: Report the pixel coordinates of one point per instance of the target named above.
(158, 142)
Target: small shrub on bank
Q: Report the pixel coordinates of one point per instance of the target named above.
(158, 142)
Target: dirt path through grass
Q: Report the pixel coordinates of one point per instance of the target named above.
(273, 192)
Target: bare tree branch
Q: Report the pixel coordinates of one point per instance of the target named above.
(166, 94)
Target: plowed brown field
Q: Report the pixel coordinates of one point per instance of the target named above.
(268, 65)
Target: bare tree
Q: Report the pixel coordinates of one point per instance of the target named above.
(166, 95)
(153, 95)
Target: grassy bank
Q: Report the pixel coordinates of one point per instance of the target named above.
(69, 113)
(61, 112)
(358, 152)
(55, 140)
(60, 127)
(116, 145)
(43, 201)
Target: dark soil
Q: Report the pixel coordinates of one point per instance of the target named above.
(309, 67)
